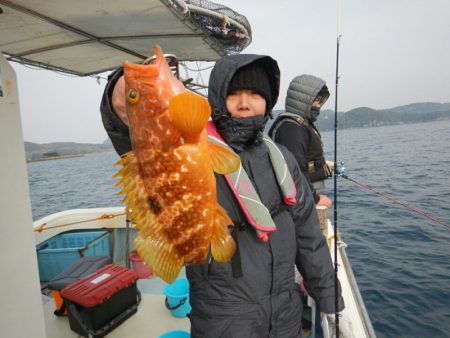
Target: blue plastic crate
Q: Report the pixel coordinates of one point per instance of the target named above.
(59, 252)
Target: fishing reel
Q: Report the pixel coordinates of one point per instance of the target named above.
(340, 169)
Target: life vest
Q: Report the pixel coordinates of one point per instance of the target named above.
(255, 211)
(316, 164)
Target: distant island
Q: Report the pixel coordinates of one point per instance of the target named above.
(61, 150)
(364, 117)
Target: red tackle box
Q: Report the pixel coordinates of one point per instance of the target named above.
(102, 301)
(81, 268)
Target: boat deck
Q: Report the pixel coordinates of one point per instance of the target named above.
(151, 320)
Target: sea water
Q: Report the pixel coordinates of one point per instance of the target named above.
(401, 260)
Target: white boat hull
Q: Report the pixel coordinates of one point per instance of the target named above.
(152, 318)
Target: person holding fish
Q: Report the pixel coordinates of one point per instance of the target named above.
(239, 232)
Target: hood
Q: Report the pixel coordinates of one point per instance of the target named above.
(301, 93)
(224, 71)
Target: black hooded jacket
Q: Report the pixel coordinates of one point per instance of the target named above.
(262, 301)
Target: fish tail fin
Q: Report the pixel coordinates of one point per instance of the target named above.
(190, 113)
(222, 244)
(162, 259)
(223, 160)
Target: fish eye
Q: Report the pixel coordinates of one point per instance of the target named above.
(133, 95)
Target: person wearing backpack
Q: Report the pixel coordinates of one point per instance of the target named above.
(296, 129)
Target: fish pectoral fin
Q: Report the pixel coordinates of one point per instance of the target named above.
(223, 160)
(159, 256)
(222, 244)
(189, 113)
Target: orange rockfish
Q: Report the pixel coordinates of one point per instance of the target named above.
(168, 178)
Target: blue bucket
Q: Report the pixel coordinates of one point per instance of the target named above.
(175, 334)
(177, 297)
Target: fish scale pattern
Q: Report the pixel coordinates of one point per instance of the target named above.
(168, 178)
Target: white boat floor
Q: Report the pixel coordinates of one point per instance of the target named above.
(151, 320)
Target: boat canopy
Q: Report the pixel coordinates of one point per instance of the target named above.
(86, 37)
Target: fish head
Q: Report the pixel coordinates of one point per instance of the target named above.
(149, 88)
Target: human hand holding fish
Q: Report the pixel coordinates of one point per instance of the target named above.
(118, 100)
(118, 97)
(168, 178)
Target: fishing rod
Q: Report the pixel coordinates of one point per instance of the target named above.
(335, 222)
(393, 200)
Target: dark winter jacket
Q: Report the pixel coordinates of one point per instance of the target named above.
(262, 301)
(303, 138)
(117, 130)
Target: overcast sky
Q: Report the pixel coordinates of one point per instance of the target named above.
(392, 52)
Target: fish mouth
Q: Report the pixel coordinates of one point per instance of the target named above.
(135, 66)
(156, 60)
(140, 71)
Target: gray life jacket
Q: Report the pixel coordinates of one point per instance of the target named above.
(316, 164)
(255, 211)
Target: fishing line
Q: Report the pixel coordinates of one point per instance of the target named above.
(336, 288)
(393, 200)
(198, 69)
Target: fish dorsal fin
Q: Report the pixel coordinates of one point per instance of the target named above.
(150, 243)
(223, 160)
(189, 113)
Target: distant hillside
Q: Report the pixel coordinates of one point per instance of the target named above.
(107, 142)
(364, 117)
(419, 108)
(36, 151)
